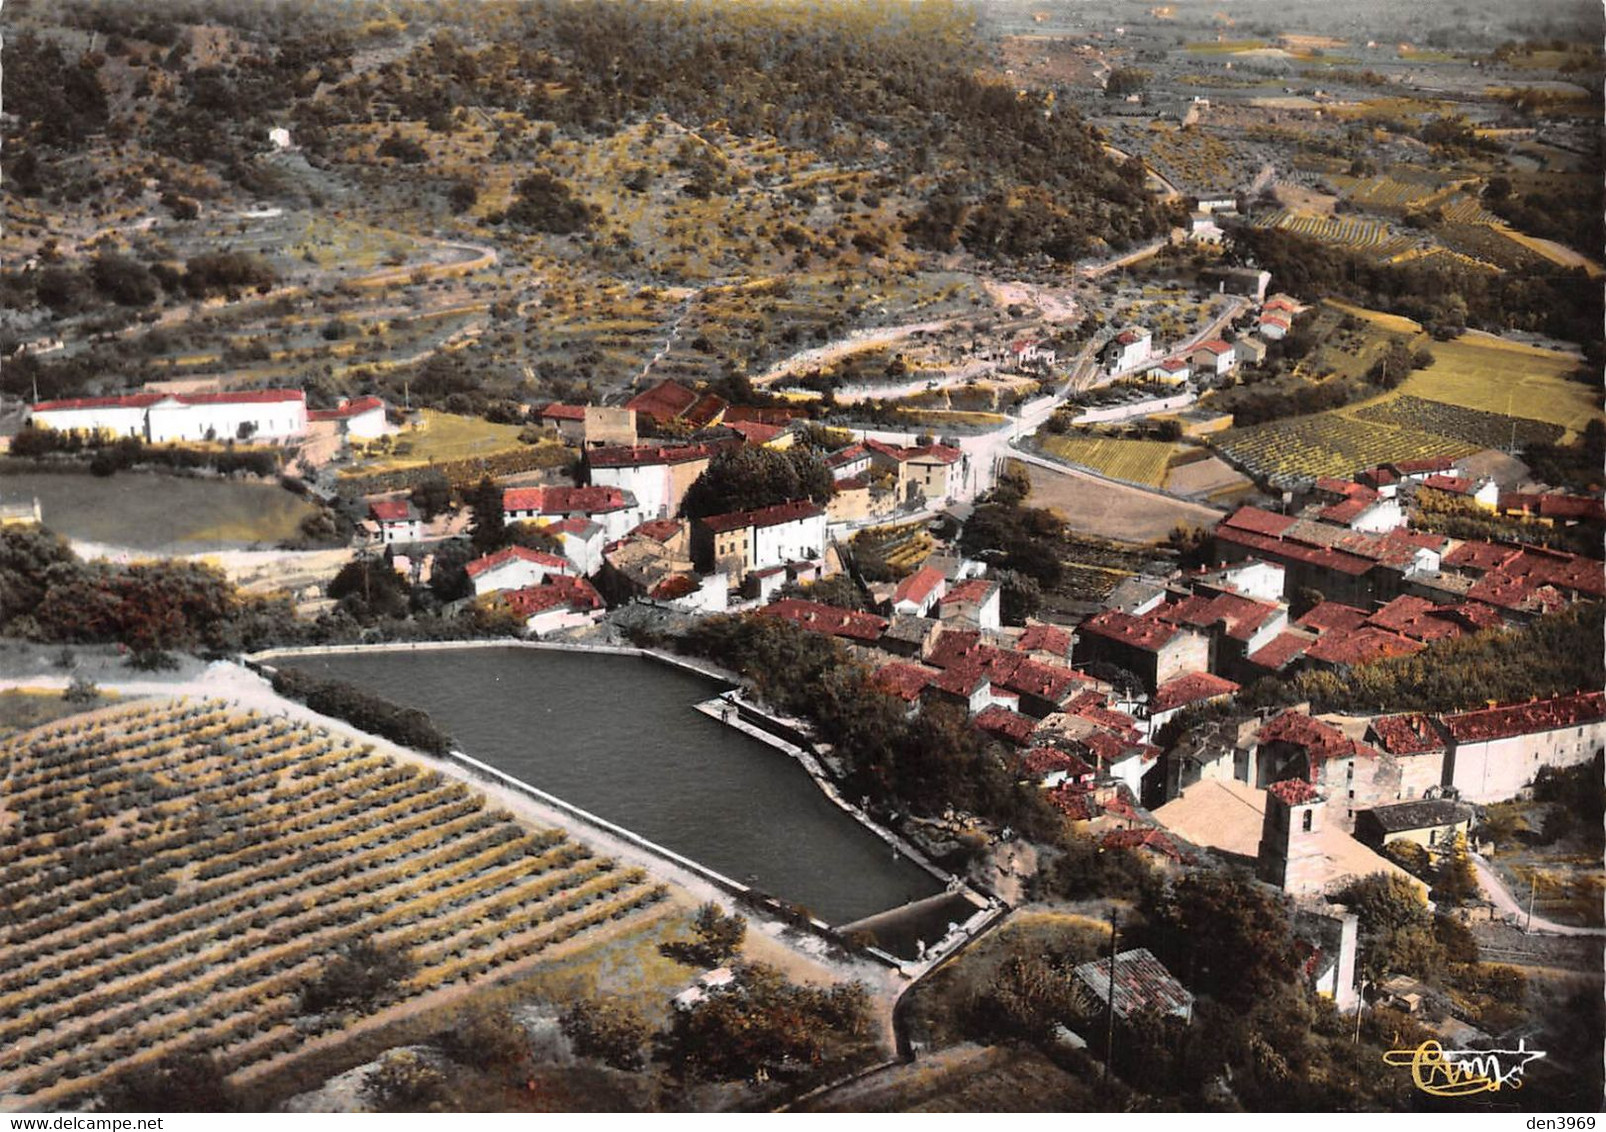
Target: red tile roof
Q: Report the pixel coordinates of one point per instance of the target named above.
(1142, 633)
(1190, 689)
(664, 401)
(1424, 464)
(929, 454)
(821, 618)
(1292, 791)
(1362, 646)
(1258, 521)
(917, 587)
(575, 525)
(1009, 725)
(1141, 984)
(708, 408)
(1455, 485)
(393, 511)
(515, 554)
(1409, 734)
(789, 512)
(973, 590)
(1045, 638)
(1481, 556)
(1274, 548)
(557, 591)
(755, 432)
(558, 411)
(1214, 346)
(1128, 337)
(906, 681)
(1280, 651)
(347, 410)
(1530, 718)
(1076, 802)
(1329, 615)
(1319, 741)
(1039, 762)
(1134, 839)
(1242, 616)
(659, 530)
(146, 400)
(126, 401)
(558, 500)
(764, 415)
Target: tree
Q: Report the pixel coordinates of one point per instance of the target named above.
(487, 1039)
(407, 1083)
(543, 203)
(717, 938)
(370, 589)
(81, 690)
(611, 1032)
(358, 978)
(488, 528)
(1231, 933)
(432, 494)
(1456, 882)
(747, 478)
(183, 1082)
(1396, 926)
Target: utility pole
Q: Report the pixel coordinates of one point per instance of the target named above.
(1109, 1033)
(1533, 881)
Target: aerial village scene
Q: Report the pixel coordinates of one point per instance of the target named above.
(601, 555)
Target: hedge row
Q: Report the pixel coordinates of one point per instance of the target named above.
(408, 727)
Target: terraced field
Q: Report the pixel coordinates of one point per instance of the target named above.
(1396, 190)
(1136, 461)
(1350, 231)
(176, 873)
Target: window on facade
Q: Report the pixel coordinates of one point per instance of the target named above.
(1304, 821)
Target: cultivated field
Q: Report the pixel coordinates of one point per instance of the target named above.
(177, 873)
(1113, 511)
(1496, 376)
(442, 438)
(150, 511)
(1137, 461)
(1328, 444)
(1486, 430)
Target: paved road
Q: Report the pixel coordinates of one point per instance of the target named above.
(1515, 910)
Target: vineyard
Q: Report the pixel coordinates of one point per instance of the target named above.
(1486, 430)
(1328, 444)
(1136, 461)
(1507, 378)
(1351, 231)
(176, 874)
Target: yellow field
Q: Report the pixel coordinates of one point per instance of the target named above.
(1137, 461)
(1549, 249)
(1395, 322)
(444, 437)
(1496, 376)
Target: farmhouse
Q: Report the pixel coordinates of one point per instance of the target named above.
(1127, 349)
(925, 472)
(744, 541)
(568, 420)
(514, 568)
(397, 520)
(1212, 360)
(363, 418)
(561, 602)
(270, 415)
(917, 593)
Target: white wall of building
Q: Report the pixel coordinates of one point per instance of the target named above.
(649, 483)
(111, 420)
(269, 420)
(1495, 770)
(793, 541)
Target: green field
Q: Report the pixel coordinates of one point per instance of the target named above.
(1137, 461)
(150, 511)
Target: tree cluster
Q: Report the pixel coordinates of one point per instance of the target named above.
(405, 726)
(747, 478)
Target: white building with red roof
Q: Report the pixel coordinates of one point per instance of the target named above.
(614, 509)
(934, 472)
(656, 474)
(1129, 348)
(362, 417)
(1496, 751)
(515, 568)
(1213, 359)
(262, 415)
(559, 603)
(741, 542)
(396, 520)
(916, 594)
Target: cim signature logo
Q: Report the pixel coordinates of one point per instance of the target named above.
(1441, 1072)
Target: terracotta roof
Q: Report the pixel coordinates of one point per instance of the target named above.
(1076, 802)
(1320, 741)
(1367, 645)
(844, 456)
(974, 590)
(1329, 615)
(1258, 521)
(346, 410)
(1292, 791)
(931, 453)
(1190, 688)
(1336, 560)
(1174, 365)
(1409, 734)
(1141, 984)
(147, 400)
(1242, 616)
(664, 401)
(393, 511)
(1214, 346)
(1128, 337)
(1526, 719)
(1045, 638)
(659, 530)
(1346, 512)
(762, 415)
(1006, 724)
(820, 618)
(1280, 651)
(906, 681)
(558, 500)
(917, 587)
(1455, 485)
(1423, 464)
(706, 410)
(788, 512)
(1142, 633)
(515, 554)
(558, 411)
(577, 526)
(558, 590)
(126, 401)
(1134, 839)
(755, 432)
(1481, 556)
(1039, 762)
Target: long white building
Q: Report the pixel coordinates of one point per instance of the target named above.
(265, 415)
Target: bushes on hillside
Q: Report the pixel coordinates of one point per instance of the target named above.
(408, 727)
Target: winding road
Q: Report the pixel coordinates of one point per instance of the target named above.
(1513, 910)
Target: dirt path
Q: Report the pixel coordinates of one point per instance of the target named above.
(854, 342)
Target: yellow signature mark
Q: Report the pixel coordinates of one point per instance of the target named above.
(1463, 1072)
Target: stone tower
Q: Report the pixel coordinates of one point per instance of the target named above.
(1290, 851)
